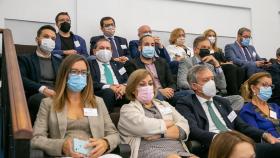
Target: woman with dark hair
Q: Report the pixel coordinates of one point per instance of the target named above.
(232, 144)
(234, 75)
(151, 127)
(259, 113)
(74, 113)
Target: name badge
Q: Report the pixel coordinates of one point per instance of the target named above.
(77, 43)
(166, 110)
(272, 114)
(232, 115)
(90, 112)
(123, 46)
(122, 71)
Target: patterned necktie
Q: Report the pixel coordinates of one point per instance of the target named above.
(220, 126)
(247, 54)
(108, 74)
(114, 48)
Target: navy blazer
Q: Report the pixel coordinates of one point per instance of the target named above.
(95, 73)
(133, 48)
(190, 107)
(82, 49)
(234, 53)
(119, 41)
(163, 71)
(31, 74)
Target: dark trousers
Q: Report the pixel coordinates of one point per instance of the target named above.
(110, 100)
(235, 76)
(34, 102)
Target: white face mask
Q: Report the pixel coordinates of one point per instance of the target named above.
(212, 39)
(209, 88)
(180, 41)
(103, 55)
(47, 45)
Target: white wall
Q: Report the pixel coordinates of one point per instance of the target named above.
(162, 15)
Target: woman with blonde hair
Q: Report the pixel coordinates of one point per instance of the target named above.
(177, 49)
(151, 127)
(234, 75)
(232, 144)
(258, 112)
(74, 116)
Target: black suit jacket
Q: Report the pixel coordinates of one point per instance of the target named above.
(163, 70)
(31, 74)
(190, 107)
(119, 41)
(95, 73)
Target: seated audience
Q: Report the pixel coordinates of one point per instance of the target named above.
(201, 44)
(67, 42)
(232, 144)
(134, 44)
(38, 70)
(244, 55)
(177, 49)
(119, 44)
(109, 77)
(74, 113)
(234, 75)
(151, 127)
(274, 70)
(208, 115)
(258, 112)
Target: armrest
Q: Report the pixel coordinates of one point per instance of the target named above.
(123, 150)
(36, 153)
(194, 146)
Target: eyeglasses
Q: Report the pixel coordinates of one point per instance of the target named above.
(78, 72)
(267, 85)
(64, 20)
(108, 25)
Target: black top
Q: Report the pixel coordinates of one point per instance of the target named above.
(220, 56)
(67, 43)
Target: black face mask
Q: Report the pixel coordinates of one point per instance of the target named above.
(65, 27)
(204, 52)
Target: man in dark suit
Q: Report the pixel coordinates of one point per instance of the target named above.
(109, 77)
(208, 115)
(160, 50)
(245, 55)
(39, 69)
(119, 44)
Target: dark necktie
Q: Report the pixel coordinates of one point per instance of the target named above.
(247, 54)
(114, 48)
(220, 126)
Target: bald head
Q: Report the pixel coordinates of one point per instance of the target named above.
(144, 29)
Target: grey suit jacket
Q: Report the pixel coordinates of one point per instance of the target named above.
(50, 127)
(184, 67)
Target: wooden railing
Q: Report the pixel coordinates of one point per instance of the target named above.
(17, 128)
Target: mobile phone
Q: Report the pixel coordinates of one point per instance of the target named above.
(204, 52)
(266, 62)
(79, 146)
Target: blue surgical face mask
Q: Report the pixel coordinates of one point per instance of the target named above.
(265, 93)
(76, 83)
(148, 51)
(245, 42)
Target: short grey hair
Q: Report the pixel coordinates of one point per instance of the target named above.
(192, 74)
(242, 30)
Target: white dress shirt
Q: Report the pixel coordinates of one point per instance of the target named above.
(102, 74)
(212, 126)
